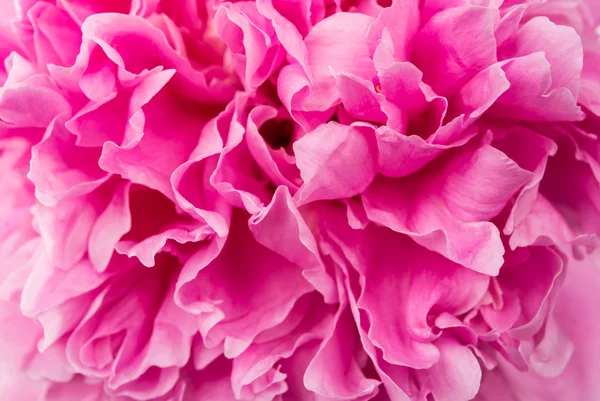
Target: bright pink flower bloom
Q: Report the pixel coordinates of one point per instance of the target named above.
(299, 200)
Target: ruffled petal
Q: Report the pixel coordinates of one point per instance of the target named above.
(439, 218)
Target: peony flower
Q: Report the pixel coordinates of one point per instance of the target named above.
(290, 201)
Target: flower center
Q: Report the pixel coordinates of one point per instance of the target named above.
(277, 133)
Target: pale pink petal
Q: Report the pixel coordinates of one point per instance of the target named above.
(116, 327)
(543, 225)
(202, 356)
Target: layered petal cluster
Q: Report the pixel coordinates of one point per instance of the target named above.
(309, 200)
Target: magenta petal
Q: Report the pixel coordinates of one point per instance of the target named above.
(579, 206)
(542, 288)
(56, 38)
(530, 98)
(427, 281)
(336, 44)
(577, 380)
(236, 311)
(565, 55)
(276, 163)
(205, 204)
(251, 37)
(109, 227)
(401, 20)
(339, 167)
(32, 102)
(362, 102)
(168, 349)
(299, 200)
(439, 218)
(307, 321)
(401, 155)
(66, 227)
(455, 45)
(156, 226)
(334, 371)
(402, 85)
(213, 383)
(49, 286)
(282, 220)
(456, 376)
(237, 176)
(472, 101)
(60, 171)
(81, 10)
(135, 45)
(535, 161)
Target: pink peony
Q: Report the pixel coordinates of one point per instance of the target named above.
(309, 200)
